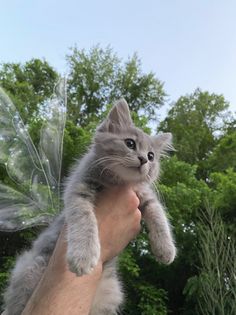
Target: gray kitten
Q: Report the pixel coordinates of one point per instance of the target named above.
(120, 154)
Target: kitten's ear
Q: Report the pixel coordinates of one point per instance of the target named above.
(118, 118)
(163, 143)
(120, 114)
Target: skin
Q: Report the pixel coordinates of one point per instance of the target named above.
(60, 291)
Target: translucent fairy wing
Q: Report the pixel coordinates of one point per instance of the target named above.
(34, 196)
(51, 138)
(20, 210)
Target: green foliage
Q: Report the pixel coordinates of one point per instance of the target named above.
(182, 192)
(152, 301)
(98, 78)
(76, 142)
(224, 153)
(6, 266)
(214, 289)
(28, 85)
(194, 120)
(141, 121)
(128, 263)
(144, 296)
(224, 188)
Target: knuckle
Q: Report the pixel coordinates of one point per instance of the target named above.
(137, 222)
(138, 215)
(136, 229)
(132, 199)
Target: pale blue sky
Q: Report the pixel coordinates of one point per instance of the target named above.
(187, 43)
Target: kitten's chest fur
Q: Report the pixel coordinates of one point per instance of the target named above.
(89, 180)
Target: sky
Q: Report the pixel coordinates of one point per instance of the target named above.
(186, 43)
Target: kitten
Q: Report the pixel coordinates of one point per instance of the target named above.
(120, 154)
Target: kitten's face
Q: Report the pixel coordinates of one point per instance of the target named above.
(130, 155)
(126, 151)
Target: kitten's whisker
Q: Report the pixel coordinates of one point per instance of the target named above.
(153, 183)
(102, 160)
(155, 186)
(111, 159)
(107, 157)
(164, 155)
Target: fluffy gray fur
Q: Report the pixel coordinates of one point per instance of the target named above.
(108, 162)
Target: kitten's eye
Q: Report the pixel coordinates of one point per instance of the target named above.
(150, 156)
(130, 144)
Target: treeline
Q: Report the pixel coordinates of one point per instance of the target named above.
(197, 184)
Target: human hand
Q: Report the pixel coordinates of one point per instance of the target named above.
(118, 220)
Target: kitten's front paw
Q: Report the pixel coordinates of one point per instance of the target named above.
(82, 263)
(164, 252)
(166, 255)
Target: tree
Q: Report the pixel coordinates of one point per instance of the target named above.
(98, 78)
(28, 85)
(195, 121)
(223, 155)
(224, 197)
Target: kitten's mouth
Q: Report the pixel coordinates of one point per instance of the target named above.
(138, 168)
(133, 173)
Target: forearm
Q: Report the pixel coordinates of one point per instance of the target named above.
(61, 291)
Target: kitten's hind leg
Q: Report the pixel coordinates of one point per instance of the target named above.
(25, 277)
(29, 269)
(109, 295)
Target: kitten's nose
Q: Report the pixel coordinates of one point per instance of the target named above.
(142, 160)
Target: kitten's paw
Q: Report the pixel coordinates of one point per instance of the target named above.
(167, 254)
(82, 264)
(164, 252)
